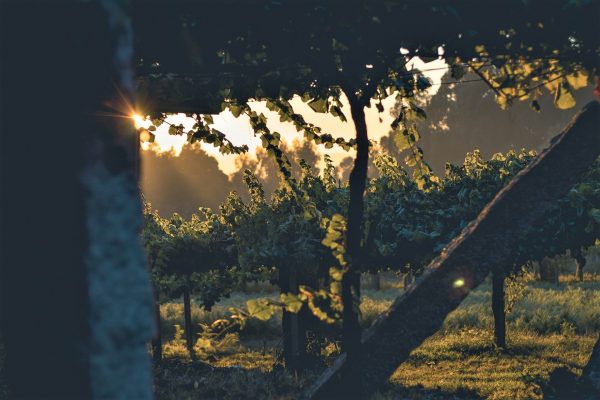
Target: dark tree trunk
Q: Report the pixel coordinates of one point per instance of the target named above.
(187, 317)
(408, 279)
(580, 262)
(288, 322)
(548, 271)
(487, 242)
(81, 330)
(295, 326)
(374, 281)
(157, 339)
(287, 332)
(351, 331)
(498, 309)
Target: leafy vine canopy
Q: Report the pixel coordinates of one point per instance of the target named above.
(204, 57)
(211, 55)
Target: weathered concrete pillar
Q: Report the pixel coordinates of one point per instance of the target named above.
(75, 299)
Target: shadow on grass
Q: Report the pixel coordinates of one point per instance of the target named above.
(182, 379)
(565, 385)
(420, 392)
(176, 378)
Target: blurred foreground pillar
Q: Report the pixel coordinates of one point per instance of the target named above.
(75, 298)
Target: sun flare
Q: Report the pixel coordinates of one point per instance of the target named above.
(138, 120)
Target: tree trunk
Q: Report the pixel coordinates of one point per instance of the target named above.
(374, 281)
(548, 271)
(244, 286)
(295, 345)
(289, 321)
(351, 331)
(580, 262)
(286, 321)
(408, 280)
(157, 339)
(187, 316)
(498, 309)
(287, 329)
(487, 242)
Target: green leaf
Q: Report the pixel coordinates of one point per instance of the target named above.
(397, 121)
(291, 302)
(595, 214)
(335, 287)
(318, 105)
(402, 140)
(208, 119)
(271, 106)
(204, 344)
(337, 112)
(235, 110)
(578, 79)
(410, 161)
(260, 309)
(336, 273)
(563, 98)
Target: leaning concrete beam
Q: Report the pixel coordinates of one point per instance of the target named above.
(486, 242)
(591, 372)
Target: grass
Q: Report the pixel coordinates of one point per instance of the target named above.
(551, 328)
(466, 362)
(551, 331)
(543, 308)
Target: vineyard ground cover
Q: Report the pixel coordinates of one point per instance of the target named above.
(465, 363)
(172, 312)
(551, 327)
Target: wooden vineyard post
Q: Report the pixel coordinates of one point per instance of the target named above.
(498, 309)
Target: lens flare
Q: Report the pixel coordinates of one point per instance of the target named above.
(138, 120)
(146, 136)
(460, 282)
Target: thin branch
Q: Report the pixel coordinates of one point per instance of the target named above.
(484, 79)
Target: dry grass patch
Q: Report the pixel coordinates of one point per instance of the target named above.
(465, 361)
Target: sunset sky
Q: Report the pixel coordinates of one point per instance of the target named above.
(238, 130)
